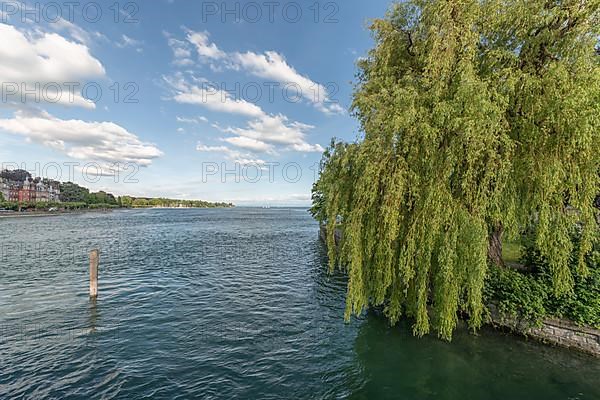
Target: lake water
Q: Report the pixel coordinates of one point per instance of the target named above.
(230, 303)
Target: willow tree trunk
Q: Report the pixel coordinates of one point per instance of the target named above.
(495, 245)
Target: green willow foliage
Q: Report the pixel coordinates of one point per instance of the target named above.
(529, 296)
(476, 114)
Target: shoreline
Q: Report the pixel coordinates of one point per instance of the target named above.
(550, 331)
(38, 214)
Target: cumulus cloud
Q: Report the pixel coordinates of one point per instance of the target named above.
(269, 65)
(211, 98)
(231, 154)
(82, 140)
(249, 144)
(262, 133)
(47, 64)
(274, 130)
(273, 66)
(204, 47)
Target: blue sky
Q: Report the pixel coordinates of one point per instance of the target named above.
(228, 101)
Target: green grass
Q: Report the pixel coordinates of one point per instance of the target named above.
(511, 252)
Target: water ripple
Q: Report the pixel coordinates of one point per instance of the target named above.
(228, 304)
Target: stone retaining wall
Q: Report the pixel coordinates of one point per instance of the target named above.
(553, 331)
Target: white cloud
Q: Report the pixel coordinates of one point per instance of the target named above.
(126, 41)
(263, 133)
(273, 66)
(277, 130)
(249, 144)
(196, 120)
(81, 140)
(212, 99)
(76, 32)
(212, 149)
(270, 66)
(181, 50)
(203, 47)
(233, 155)
(308, 148)
(47, 60)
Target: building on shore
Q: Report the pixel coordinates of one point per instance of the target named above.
(9, 190)
(4, 188)
(30, 190)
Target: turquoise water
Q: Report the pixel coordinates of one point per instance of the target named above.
(233, 303)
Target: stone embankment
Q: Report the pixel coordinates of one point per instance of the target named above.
(558, 332)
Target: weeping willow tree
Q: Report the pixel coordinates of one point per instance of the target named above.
(479, 118)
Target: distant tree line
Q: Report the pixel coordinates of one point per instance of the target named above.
(72, 192)
(74, 196)
(143, 202)
(15, 175)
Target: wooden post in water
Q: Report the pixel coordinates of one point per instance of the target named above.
(94, 260)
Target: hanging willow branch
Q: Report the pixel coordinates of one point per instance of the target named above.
(470, 122)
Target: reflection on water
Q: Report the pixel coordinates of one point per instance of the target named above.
(487, 366)
(93, 314)
(229, 304)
